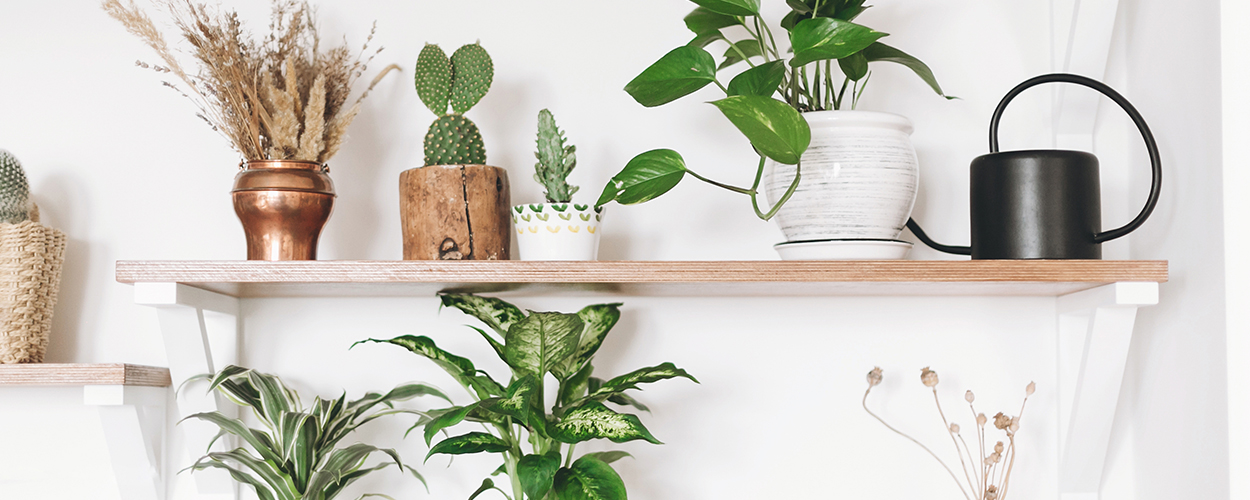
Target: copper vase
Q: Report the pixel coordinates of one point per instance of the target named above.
(283, 205)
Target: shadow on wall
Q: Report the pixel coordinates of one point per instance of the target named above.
(63, 202)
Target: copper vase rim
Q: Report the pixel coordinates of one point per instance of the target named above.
(298, 176)
(283, 164)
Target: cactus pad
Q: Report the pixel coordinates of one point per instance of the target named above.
(472, 75)
(555, 160)
(454, 140)
(14, 190)
(433, 78)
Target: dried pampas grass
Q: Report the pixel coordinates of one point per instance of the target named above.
(281, 99)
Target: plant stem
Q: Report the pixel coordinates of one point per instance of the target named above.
(510, 462)
(722, 87)
(864, 403)
(742, 54)
(967, 477)
(759, 174)
(721, 185)
(568, 461)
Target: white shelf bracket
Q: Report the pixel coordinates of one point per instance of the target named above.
(1081, 44)
(200, 330)
(133, 419)
(1095, 331)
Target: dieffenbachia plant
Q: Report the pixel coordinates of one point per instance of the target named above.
(296, 455)
(765, 101)
(535, 345)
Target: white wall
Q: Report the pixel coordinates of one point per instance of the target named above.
(124, 168)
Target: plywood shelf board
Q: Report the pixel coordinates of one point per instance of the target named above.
(677, 278)
(56, 374)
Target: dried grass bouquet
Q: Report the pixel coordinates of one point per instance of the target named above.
(987, 472)
(281, 99)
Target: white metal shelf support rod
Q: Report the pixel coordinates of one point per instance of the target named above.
(1095, 331)
(200, 330)
(133, 419)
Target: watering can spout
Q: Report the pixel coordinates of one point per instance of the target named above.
(1043, 204)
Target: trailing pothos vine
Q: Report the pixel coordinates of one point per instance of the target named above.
(515, 417)
(764, 101)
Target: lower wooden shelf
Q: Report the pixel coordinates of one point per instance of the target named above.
(58, 374)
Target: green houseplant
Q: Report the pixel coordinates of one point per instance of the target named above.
(455, 207)
(557, 229)
(766, 102)
(296, 455)
(533, 345)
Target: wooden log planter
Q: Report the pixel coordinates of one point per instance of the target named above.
(455, 212)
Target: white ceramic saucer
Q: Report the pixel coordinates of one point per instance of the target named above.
(843, 250)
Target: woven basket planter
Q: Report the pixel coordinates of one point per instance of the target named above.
(30, 275)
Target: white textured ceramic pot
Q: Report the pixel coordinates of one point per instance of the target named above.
(557, 231)
(860, 176)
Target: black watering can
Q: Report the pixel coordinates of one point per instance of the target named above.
(1045, 203)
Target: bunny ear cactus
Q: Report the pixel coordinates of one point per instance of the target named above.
(555, 160)
(458, 82)
(14, 190)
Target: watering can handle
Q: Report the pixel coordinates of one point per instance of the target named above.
(1155, 163)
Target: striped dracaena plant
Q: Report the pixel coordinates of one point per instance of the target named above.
(295, 456)
(535, 345)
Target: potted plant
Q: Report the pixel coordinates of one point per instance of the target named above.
(455, 207)
(797, 112)
(557, 229)
(31, 255)
(295, 455)
(534, 345)
(281, 103)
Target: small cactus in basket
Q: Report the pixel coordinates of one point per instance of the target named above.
(555, 160)
(458, 83)
(14, 190)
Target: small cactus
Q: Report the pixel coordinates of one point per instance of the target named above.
(459, 82)
(14, 190)
(555, 160)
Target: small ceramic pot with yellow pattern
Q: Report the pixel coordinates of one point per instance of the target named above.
(557, 231)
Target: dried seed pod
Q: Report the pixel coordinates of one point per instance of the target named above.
(981, 419)
(928, 377)
(969, 397)
(1028, 390)
(998, 447)
(954, 428)
(1001, 422)
(874, 376)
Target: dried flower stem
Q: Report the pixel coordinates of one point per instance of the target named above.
(864, 403)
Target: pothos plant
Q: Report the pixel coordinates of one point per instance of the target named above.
(535, 345)
(765, 101)
(296, 455)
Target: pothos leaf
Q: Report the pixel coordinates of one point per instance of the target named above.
(732, 7)
(761, 80)
(824, 38)
(703, 20)
(681, 72)
(646, 176)
(775, 128)
(589, 479)
(734, 54)
(473, 442)
(594, 421)
(881, 52)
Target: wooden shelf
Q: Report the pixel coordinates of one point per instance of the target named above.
(52, 374)
(247, 279)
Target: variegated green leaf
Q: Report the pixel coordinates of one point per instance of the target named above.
(487, 485)
(484, 386)
(537, 472)
(341, 462)
(631, 380)
(456, 366)
(609, 456)
(237, 428)
(336, 487)
(277, 482)
(597, 320)
(623, 399)
(589, 479)
(262, 490)
(275, 398)
(473, 442)
(595, 421)
(576, 386)
(542, 341)
(449, 417)
(497, 314)
(494, 344)
(520, 402)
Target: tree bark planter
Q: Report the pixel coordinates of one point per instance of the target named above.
(455, 212)
(283, 205)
